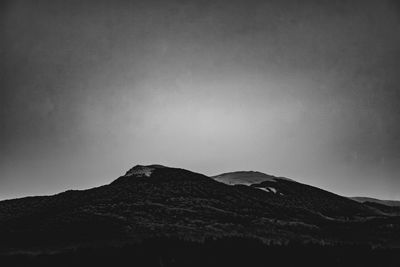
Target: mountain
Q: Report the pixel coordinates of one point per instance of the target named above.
(155, 201)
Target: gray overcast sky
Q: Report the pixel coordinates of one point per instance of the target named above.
(303, 89)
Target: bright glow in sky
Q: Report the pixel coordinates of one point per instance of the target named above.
(303, 89)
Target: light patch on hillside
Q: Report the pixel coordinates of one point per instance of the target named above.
(247, 178)
(268, 189)
(142, 171)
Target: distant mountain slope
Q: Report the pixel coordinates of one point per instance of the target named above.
(157, 201)
(392, 203)
(284, 191)
(388, 207)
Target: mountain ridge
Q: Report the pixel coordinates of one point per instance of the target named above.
(157, 201)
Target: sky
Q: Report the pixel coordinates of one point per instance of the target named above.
(303, 89)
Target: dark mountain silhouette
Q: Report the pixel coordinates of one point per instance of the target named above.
(154, 201)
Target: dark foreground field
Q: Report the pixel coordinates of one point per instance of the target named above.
(221, 252)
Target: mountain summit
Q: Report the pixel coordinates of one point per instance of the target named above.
(143, 170)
